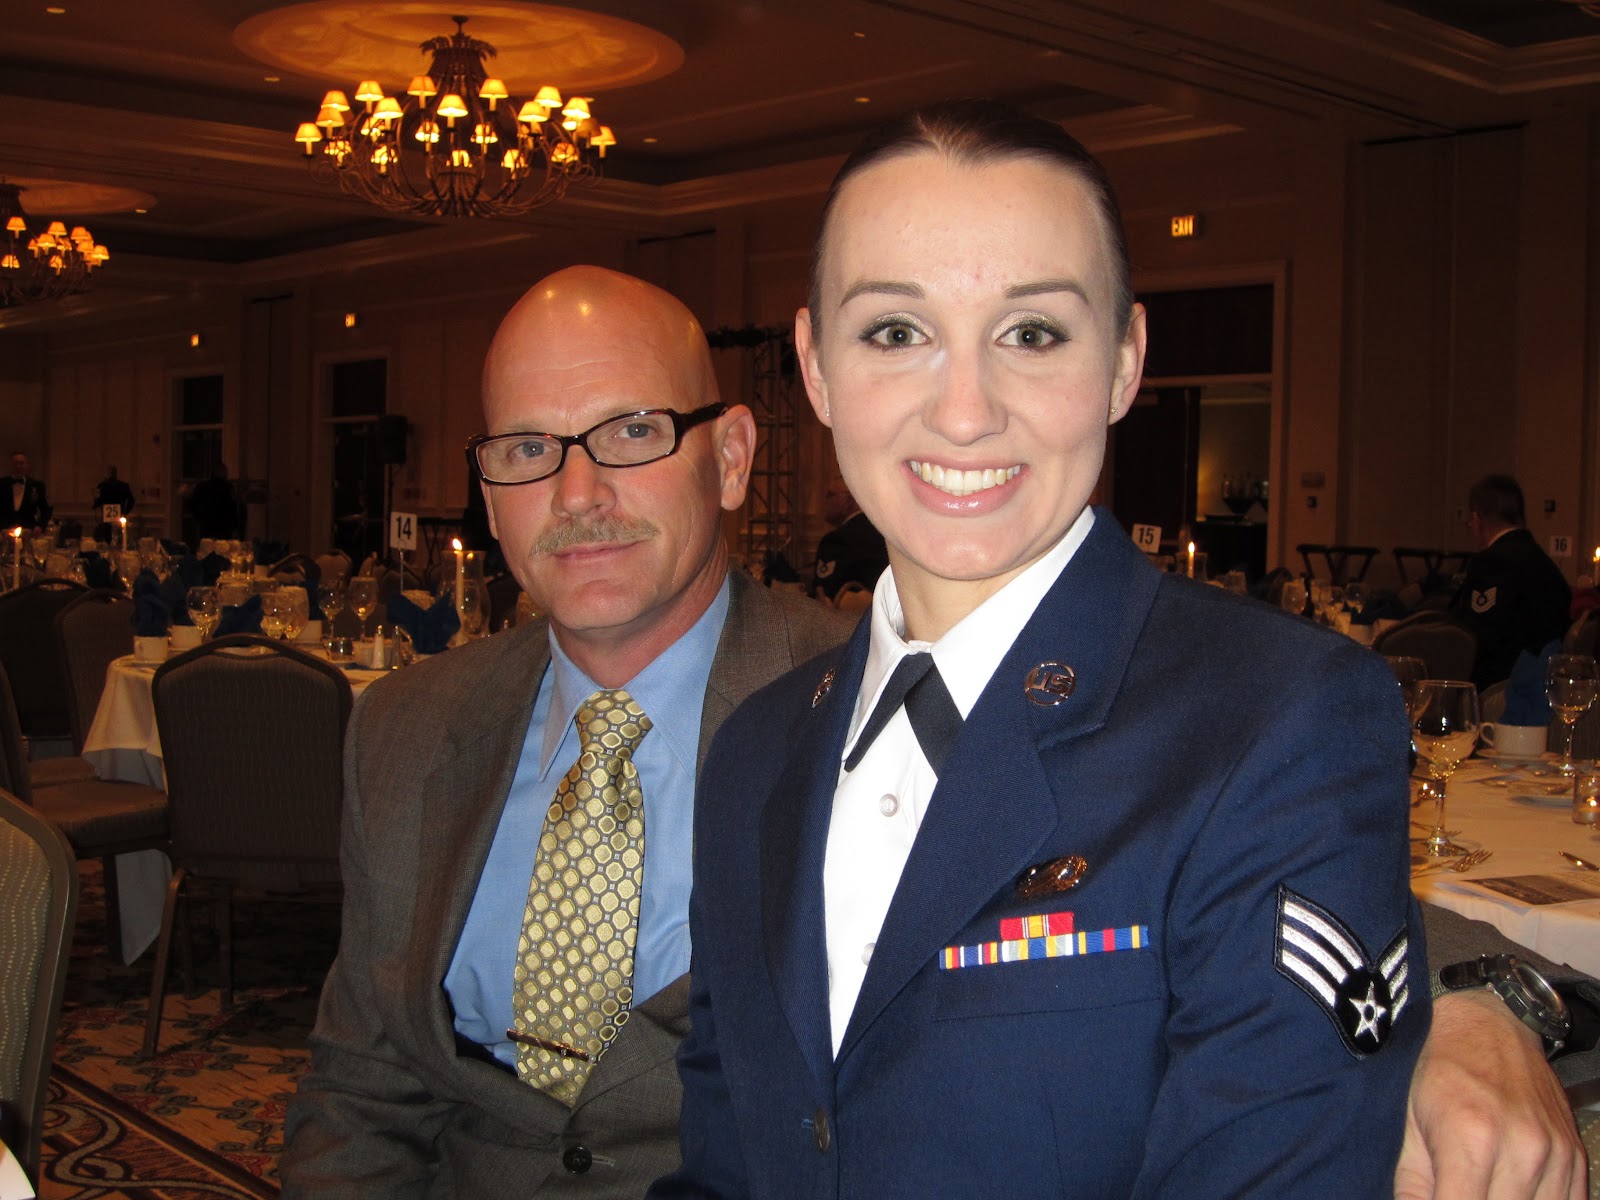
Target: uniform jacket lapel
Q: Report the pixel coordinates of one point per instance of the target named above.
(995, 805)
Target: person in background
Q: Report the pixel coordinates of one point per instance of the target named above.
(852, 551)
(110, 490)
(441, 1062)
(22, 498)
(213, 505)
(1513, 597)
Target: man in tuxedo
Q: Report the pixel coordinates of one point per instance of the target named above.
(1513, 597)
(111, 490)
(22, 501)
(607, 467)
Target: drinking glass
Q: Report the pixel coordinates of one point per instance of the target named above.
(1293, 597)
(1571, 681)
(205, 609)
(474, 607)
(1355, 595)
(362, 598)
(275, 613)
(1410, 672)
(1445, 728)
(296, 611)
(330, 600)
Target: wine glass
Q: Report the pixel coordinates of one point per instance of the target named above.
(1293, 597)
(362, 598)
(275, 613)
(1445, 728)
(1410, 672)
(205, 609)
(1356, 594)
(330, 599)
(1571, 681)
(295, 611)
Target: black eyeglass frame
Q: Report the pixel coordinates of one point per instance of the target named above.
(681, 424)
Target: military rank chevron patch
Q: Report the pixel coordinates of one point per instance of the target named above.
(1325, 958)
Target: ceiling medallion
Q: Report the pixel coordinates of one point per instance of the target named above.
(459, 145)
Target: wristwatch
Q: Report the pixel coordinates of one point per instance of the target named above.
(1526, 992)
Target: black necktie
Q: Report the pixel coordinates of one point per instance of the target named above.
(934, 717)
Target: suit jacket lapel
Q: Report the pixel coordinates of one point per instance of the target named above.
(794, 841)
(996, 803)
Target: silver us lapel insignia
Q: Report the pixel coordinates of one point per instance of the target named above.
(1323, 956)
(823, 687)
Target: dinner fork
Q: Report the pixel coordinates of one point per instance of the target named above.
(1465, 863)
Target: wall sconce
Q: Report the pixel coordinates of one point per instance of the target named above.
(194, 341)
(350, 320)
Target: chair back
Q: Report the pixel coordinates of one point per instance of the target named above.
(28, 653)
(334, 566)
(91, 631)
(1448, 647)
(38, 906)
(252, 733)
(14, 777)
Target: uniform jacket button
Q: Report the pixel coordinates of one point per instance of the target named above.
(819, 1129)
(577, 1159)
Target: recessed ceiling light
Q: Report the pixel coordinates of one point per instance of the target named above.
(141, 210)
(650, 141)
(271, 79)
(858, 34)
(56, 11)
(863, 99)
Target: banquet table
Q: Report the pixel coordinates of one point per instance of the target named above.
(1517, 812)
(13, 1183)
(123, 743)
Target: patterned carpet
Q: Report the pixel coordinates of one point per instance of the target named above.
(204, 1118)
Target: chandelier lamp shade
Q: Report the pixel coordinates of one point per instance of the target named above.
(458, 144)
(45, 265)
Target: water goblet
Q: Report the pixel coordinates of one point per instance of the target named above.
(473, 607)
(1571, 683)
(1409, 672)
(296, 611)
(362, 598)
(205, 609)
(1293, 597)
(1445, 729)
(275, 613)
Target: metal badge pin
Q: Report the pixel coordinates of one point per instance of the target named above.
(822, 687)
(1046, 878)
(1049, 684)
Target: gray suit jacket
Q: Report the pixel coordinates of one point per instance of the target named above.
(393, 1105)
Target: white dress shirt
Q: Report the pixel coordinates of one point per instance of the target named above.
(878, 807)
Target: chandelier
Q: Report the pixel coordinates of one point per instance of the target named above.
(49, 265)
(458, 146)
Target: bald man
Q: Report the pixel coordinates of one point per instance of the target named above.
(436, 1069)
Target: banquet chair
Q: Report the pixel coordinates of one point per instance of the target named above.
(260, 818)
(38, 905)
(28, 653)
(296, 568)
(1345, 564)
(1448, 647)
(91, 631)
(335, 567)
(101, 818)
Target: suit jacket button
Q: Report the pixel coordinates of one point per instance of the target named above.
(577, 1159)
(819, 1129)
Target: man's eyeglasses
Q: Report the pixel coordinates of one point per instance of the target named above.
(630, 440)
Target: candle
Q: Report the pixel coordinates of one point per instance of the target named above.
(123, 521)
(1191, 560)
(16, 558)
(461, 572)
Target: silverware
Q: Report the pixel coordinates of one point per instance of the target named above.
(1579, 862)
(1464, 863)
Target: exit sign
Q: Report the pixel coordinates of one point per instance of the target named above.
(1186, 226)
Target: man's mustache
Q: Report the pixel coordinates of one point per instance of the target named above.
(598, 531)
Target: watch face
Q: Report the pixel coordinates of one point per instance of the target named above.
(1542, 1000)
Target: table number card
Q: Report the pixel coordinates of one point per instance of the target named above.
(1147, 538)
(402, 531)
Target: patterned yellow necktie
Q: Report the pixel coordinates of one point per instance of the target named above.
(574, 973)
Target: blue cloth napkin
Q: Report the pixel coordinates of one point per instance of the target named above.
(97, 572)
(211, 568)
(189, 570)
(1526, 703)
(152, 613)
(240, 618)
(431, 629)
(176, 594)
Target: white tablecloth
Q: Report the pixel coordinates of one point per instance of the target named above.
(1525, 835)
(123, 743)
(13, 1183)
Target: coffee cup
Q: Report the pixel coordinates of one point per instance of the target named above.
(150, 649)
(1513, 741)
(183, 637)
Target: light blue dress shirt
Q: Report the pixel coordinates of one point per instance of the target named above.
(672, 692)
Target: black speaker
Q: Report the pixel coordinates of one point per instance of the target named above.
(391, 440)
